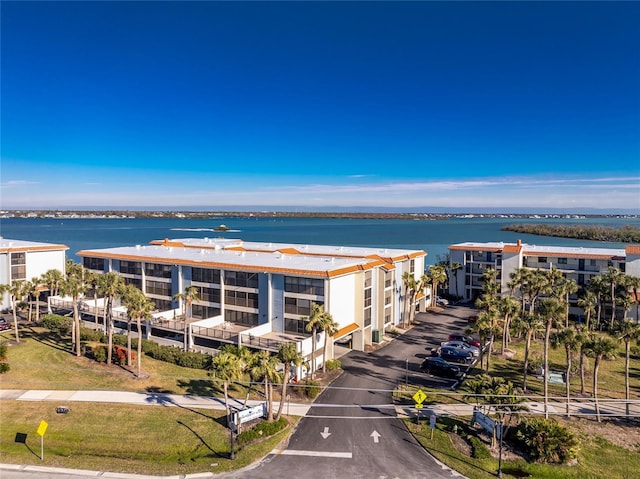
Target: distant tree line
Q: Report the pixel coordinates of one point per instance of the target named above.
(626, 234)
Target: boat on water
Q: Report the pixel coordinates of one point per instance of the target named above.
(221, 228)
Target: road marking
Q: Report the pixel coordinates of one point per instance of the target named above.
(376, 436)
(325, 434)
(294, 452)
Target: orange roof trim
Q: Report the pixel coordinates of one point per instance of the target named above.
(349, 328)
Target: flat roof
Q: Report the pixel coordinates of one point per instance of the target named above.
(313, 260)
(528, 249)
(15, 245)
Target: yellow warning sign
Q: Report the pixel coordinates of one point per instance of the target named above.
(419, 396)
(42, 428)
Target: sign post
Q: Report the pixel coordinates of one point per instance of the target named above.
(432, 423)
(419, 398)
(42, 428)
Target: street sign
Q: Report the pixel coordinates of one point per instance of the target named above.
(42, 428)
(419, 396)
(432, 421)
(419, 406)
(249, 414)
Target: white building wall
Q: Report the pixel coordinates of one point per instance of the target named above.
(341, 304)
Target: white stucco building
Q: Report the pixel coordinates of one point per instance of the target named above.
(260, 294)
(24, 260)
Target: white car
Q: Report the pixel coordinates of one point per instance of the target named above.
(462, 345)
(441, 301)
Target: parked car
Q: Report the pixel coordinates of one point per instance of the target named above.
(464, 346)
(441, 301)
(455, 355)
(440, 367)
(466, 339)
(4, 325)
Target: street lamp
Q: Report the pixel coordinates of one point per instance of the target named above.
(500, 449)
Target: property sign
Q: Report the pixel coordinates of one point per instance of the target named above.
(487, 423)
(432, 421)
(251, 413)
(419, 396)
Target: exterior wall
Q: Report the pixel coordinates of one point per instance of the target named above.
(345, 303)
(276, 303)
(510, 263)
(456, 283)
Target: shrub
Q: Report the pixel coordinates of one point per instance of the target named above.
(333, 364)
(478, 448)
(311, 388)
(545, 440)
(56, 323)
(99, 354)
(264, 429)
(88, 334)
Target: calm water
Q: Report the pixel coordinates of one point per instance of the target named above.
(432, 236)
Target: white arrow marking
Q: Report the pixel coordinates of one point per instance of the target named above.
(325, 434)
(376, 436)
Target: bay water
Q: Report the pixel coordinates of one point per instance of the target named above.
(432, 236)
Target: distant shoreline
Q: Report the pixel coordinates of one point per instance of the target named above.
(625, 234)
(118, 214)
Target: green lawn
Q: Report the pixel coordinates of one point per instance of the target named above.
(598, 458)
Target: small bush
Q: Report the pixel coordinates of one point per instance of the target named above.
(546, 441)
(99, 354)
(333, 364)
(88, 334)
(264, 429)
(311, 388)
(479, 450)
(58, 324)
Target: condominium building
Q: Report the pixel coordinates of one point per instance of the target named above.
(576, 263)
(260, 294)
(24, 260)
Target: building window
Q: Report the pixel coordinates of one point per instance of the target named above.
(205, 275)
(299, 306)
(562, 260)
(241, 279)
(592, 262)
(542, 259)
(203, 312)
(367, 298)
(130, 267)
(241, 298)
(367, 279)
(367, 317)
(209, 295)
(96, 264)
(158, 288)
(622, 267)
(312, 287)
(581, 279)
(18, 266)
(297, 326)
(157, 270)
(388, 278)
(412, 266)
(241, 317)
(137, 282)
(162, 304)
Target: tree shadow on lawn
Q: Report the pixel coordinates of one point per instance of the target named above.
(49, 338)
(203, 442)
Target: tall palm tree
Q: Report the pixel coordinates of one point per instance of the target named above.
(330, 328)
(74, 286)
(508, 307)
(588, 304)
(438, 275)
(599, 347)
(138, 307)
(16, 292)
(627, 332)
(111, 286)
(564, 289)
(598, 286)
(582, 340)
(633, 285)
(537, 285)
(93, 283)
(187, 299)
(614, 277)
(314, 323)
(53, 279)
(551, 310)
(409, 283)
(529, 324)
(265, 367)
(289, 355)
(454, 268)
(487, 326)
(519, 284)
(226, 367)
(568, 339)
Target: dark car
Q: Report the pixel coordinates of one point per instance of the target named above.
(4, 325)
(455, 355)
(466, 339)
(440, 367)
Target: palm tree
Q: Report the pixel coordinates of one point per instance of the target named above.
(614, 277)
(29, 290)
(409, 283)
(438, 275)
(529, 324)
(519, 281)
(537, 285)
(627, 331)
(564, 289)
(265, 367)
(568, 339)
(93, 283)
(39, 286)
(633, 284)
(139, 307)
(588, 304)
(289, 356)
(551, 310)
(455, 267)
(74, 286)
(16, 291)
(582, 339)
(111, 285)
(313, 325)
(53, 279)
(598, 348)
(226, 367)
(598, 286)
(508, 307)
(330, 328)
(187, 299)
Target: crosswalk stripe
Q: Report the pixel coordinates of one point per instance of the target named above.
(294, 452)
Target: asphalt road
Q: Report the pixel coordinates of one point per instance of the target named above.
(353, 431)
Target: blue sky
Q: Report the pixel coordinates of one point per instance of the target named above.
(320, 105)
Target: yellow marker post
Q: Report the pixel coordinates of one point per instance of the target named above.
(42, 428)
